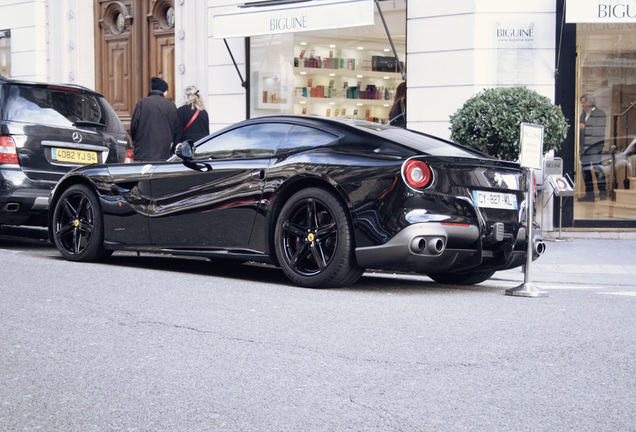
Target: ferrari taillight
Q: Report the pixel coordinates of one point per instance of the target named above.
(417, 174)
(130, 157)
(8, 151)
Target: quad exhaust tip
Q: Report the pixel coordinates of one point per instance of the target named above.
(432, 245)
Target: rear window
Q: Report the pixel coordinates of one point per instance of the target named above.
(423, 143)
(53, 107)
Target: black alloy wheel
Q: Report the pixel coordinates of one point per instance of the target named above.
(314, 241)
(78, 230)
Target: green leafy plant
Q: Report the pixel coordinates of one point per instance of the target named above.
(491, 121)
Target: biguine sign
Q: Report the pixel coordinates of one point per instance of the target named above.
(600, 11)
(293, 18)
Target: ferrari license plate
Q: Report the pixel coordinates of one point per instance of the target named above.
(496, 200)
(71, 155)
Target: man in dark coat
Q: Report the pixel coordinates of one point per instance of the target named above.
(154, 124)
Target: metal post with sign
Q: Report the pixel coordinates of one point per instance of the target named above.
(531, 158)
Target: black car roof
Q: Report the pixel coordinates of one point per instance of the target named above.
(57, 86)
(364, 127)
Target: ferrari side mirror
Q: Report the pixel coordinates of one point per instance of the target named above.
(185, 150)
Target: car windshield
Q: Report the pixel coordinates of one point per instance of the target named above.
(48, 106)
(420, 142)
(595, 148)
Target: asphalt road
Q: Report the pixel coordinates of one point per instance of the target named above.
(155, 343)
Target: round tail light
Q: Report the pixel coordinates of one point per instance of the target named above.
(417, 174)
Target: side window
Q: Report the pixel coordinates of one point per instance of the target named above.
(251, 141)
(302, 137)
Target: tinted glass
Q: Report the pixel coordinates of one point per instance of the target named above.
(423, 143)
(51, 107)
(595, 149)
(110, 118)
(251, 141)
(301, 137)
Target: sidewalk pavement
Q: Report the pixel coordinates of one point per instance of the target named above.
(585, 258)
(577, 258)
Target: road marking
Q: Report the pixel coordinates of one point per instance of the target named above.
(569, 287)
(601, 289)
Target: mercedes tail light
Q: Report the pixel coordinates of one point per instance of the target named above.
(130, 157)
(417, 174)
(8, 151)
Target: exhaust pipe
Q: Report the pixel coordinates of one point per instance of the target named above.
(418, 244)
(539, 247)
(434, 245)
(12, 207)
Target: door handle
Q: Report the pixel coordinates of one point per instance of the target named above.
(198, 166)
(259, 175)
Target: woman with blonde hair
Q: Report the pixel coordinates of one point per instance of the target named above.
(192, 118)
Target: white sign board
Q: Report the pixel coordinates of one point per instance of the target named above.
(531, 146)
(293, 17)
(600, 11)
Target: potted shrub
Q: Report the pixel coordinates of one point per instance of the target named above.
(491, 121)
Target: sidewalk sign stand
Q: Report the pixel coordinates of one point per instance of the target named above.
(561, 187)
(558, 185)
(531, 158)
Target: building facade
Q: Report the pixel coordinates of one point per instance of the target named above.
(338, 58)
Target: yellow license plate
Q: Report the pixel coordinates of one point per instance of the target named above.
(77, 156)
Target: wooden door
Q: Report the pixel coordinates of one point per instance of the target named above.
(161, 42)
(134, 42)
(623, 97)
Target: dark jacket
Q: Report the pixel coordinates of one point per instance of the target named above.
(199, 128)
(153, 127)
(594, 130)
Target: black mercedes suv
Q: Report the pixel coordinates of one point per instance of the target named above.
(45, 131)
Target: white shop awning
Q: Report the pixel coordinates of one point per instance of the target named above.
(259, 18)
(600, 11)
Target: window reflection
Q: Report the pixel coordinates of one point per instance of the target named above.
(606, 96)
(250, 141)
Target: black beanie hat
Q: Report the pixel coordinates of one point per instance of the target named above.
(158, 84)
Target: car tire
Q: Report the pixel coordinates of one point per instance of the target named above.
(314, 241)
(470, 278)
(78, 228)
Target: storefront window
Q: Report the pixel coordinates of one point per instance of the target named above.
(348, 73)
(606, 142)
(5, 53)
